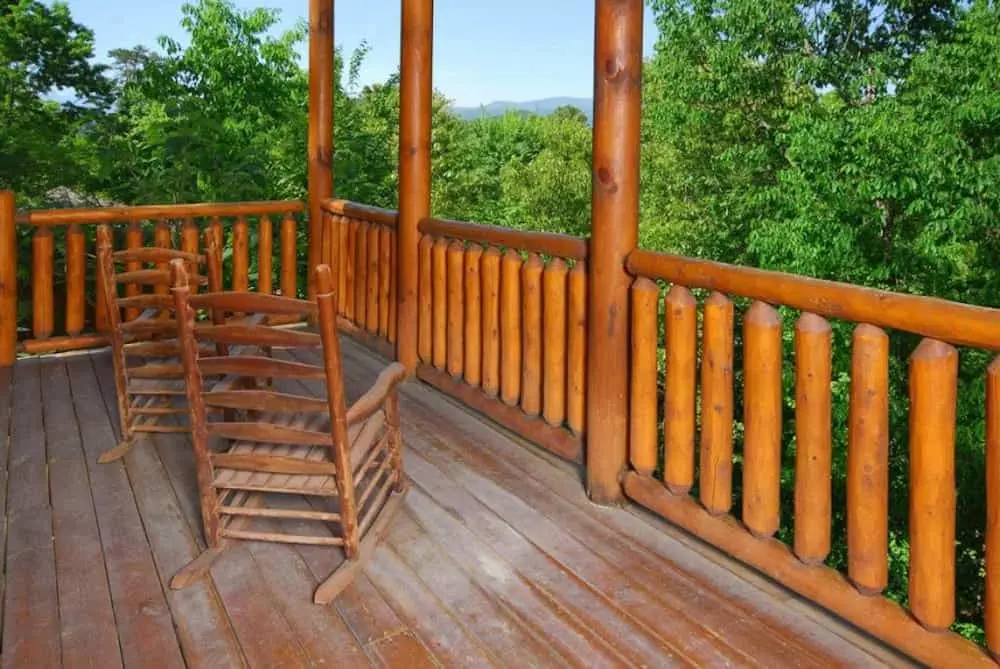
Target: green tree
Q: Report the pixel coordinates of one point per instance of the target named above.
(45, 143)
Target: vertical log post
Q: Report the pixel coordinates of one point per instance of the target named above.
(993, 508)
(456, 307)
(614, 232)
(933, 393)
(681, 342)
(531, 324)
(414, 166)
(868, 462)
(265, 255)
(320, 127)
(76, 277)
(133, 240)
(554, 342)
(426, 301)
(813, 370)
(8, 279)
(762, 420)
(491, 321)
(576, 349)
(716, 451)
(43, 318)
(473, 316)
(642, 414)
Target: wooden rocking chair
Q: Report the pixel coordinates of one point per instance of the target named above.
(347, 463)
(145, 353)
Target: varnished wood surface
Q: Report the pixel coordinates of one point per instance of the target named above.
(497, 559)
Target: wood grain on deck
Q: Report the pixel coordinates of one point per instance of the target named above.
(497, 559)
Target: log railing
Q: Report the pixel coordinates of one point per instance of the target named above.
(61, 267)
(663, 482)
(360, 241)
(502, 326)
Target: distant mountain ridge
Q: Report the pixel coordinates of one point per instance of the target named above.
(542, 107)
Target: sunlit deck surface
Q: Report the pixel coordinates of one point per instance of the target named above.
(498, 559)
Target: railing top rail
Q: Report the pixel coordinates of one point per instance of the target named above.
(954, 322)
(548, 243)
(364, 212)
(94, 215)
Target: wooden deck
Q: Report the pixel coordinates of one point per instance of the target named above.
(497, 560)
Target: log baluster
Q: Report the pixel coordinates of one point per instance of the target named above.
(361, 275)
(992, 612)
(681, 343)
(76, 276)
(374, 283)
(241, 255)
(289, 257)
(340, 257)
(393, 287)
(716, 452)
(133, 241)
(102, 321)
(189, 236)
(531, 330)
(456, 321)
(642, 409)
(163, 234)
(933, 393)
(219, 235)
(491, 321)
(762, 420)
(868, 462)
(473, 316)
(554, 348)
(350, 267)
(813, 364)
(576, 337)
(510, 328)
(386, 271)
(41, 283)
(439, 255)
(425, 291)
(265, 256)
(8, 278)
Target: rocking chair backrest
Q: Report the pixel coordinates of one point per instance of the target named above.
(286, 418)
(143, 328)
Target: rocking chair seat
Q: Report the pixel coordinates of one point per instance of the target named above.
(362, 436)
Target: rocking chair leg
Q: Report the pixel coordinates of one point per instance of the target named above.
(196, 568)
(342, 576)
(116, 453)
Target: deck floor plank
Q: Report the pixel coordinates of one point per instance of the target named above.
(265, 635)
(497, 558)
(145, 625)
(325, 637)
(87, 620)
(31, 600)
(522, 496)
(6, 397)
(206, 635)
(498, 630)
(732, 605)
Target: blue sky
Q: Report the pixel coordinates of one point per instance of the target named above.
(484, 50)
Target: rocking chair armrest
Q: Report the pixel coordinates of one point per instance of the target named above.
(384, 385)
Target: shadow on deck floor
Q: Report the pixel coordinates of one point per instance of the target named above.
(497, 559)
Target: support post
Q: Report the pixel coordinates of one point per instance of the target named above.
(614, 233)
(415, 91)
(321, 63)
(8, 279)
